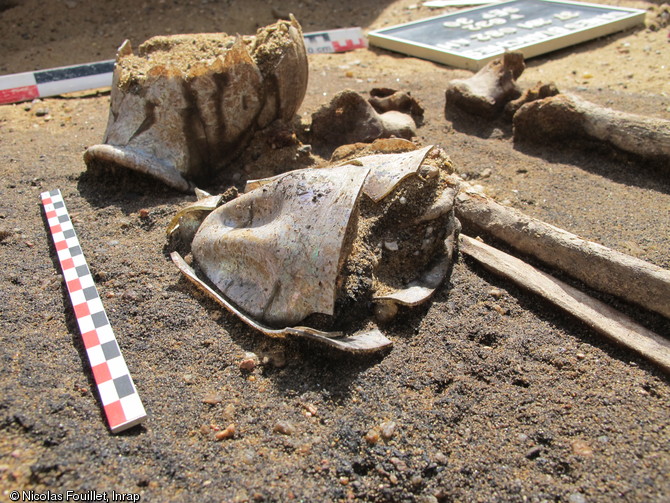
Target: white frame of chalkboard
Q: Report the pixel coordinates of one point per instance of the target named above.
(380, 39)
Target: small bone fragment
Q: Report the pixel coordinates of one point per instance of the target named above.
(487, 92)
(601, 268)
(596, 314)
(384, 100)
(349, 118)
(537, 92)
(568, 116)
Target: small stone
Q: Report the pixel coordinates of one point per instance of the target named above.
(441, 458)
(228, 432)
(144, 213)
(603, 439)
(393, 479)
(130, 295)
(212, 399)
(499, 309)
(385, 311)
(416, 481)
(248, 365)
(496, 293)
(310, 409)
(387, 430)
(587, 75)
(486, 173)
(534, 452)
(576, 498)
(391, 245)
(284, 427)
(229, 411)
(41, 112)
(580, 356)
(189, 379)
(344, 481)
(372, 437)
(581, 448)
(399, 464)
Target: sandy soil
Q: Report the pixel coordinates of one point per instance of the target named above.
(493, 394)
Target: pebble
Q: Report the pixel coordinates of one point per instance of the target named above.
(533, 452)
(144, 213)
(500, 310)
(130, 295)
(399, 464)
(212, 399)
(228, 432)
(188, 378)
(387, 430)
(496, 293)
(385, 311)
(576, 498)
(41, 112)
(310, 409)
(416, 481)
(581, 448)
(248, 365)
(284, 427)
(391, 245)
(372, 437)
(486, 173)
(441, 458)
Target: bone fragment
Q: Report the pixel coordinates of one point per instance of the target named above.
(538, 92)
(487, 92)
(350, 118)
(567, 116)
(597, 266)
(384, 100)
(597, 315)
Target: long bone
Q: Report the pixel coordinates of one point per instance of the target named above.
(596, 314)
(597, 266)
(568, 116)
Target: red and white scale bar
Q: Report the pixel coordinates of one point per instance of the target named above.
(120, 400)
(67, 79)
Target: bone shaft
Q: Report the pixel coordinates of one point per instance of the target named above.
(597, 266)
(565, 115)
(597, 315)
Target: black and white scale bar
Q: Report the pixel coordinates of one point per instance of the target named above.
(120, 400)
(43, 83)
